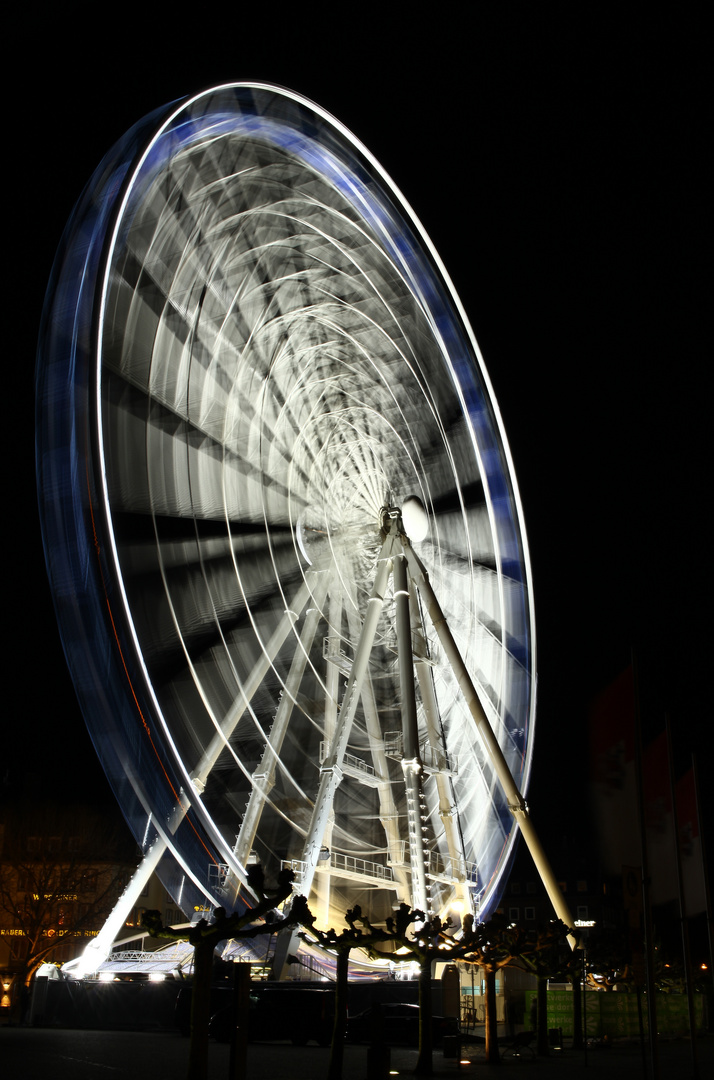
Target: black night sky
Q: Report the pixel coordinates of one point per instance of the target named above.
(557, 164)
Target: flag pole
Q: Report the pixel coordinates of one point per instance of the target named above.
(682, 908)
(647, 906)
(705, 869)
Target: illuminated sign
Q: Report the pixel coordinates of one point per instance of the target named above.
(65, 896)
(69, 933)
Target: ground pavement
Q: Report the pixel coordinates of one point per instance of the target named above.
(112, 1055)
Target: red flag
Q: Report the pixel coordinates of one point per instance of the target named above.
(659, 821)
(612, 779)
(690, 844)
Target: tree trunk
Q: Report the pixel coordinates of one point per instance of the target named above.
(493, 1056)
(238, 1061)
(200, 1010)
(18, 999)
(424, 1063)
(543, 1047)
(337, 1048)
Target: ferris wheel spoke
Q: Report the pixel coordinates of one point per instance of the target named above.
(470, 497)
(269, 652)
(181, 597)
(144, 529)
(161, 457)
(264, 776)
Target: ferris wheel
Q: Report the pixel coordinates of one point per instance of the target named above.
(279, 510)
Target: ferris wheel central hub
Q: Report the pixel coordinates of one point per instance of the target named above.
(411, 517)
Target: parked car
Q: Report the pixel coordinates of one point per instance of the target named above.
(400, 1024)
(296, 1012)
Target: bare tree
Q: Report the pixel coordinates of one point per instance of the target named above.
(342, 944)
(61, 872)
(205, 936)
(547, 955)
(359, 934)
(491, 946)
(431, 940)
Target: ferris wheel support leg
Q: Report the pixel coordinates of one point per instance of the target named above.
(97, 950)
(516, 802)
(211, 755)
(411, 762)
(332, 695)
(332, 671)
(330, 770)
(447, 808)
(387, 806)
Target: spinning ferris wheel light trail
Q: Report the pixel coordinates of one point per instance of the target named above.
(249, 350)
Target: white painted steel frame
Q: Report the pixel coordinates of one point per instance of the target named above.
(278, 353)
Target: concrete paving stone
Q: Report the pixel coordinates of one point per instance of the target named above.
(113, 1055)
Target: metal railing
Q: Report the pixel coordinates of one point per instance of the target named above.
(352, 765)
(448, 868)
(433, 759)
(332, 652)
(346, 865)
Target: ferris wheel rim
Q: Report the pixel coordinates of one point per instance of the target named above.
(404, 208)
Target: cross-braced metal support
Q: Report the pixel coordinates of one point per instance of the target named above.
(397, 559)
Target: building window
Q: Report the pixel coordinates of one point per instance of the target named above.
(531, 888)
(563, 886)
(582, 886)
(64, 915)
(89, 881)
(583, 911)
(514, 914)
(530, 914)
(515, 888)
